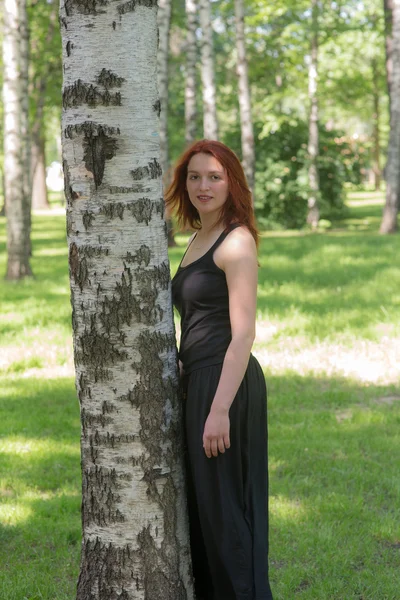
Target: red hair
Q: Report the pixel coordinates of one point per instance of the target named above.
(238, 207)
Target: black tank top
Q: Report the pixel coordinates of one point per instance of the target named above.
(200, 294)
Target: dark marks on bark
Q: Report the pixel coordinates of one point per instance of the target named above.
(93, 251)
(113, 209)
(68, 48)
(106, 568)
(136, 189)
(133, 4)
(142, 210)
(78, 266)
(97, 351)
(142, 256)
(86, 93)
(157, 107)
(157, 567)
(150, 392)
(108, 79)
(84, 7)
(99, 145)
(97, 149)
(87, 219)
(151, 171)
(100, 496)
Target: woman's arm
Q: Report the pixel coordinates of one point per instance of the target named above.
(237, 256)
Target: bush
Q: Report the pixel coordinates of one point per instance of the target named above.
(281, 187)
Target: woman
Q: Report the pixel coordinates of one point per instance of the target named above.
(214, 291)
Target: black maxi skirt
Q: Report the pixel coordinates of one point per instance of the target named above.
(228, 494)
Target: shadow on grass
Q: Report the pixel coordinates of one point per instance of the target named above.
(333, 453)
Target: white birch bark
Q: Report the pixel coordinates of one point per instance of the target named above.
(135, 540)
(39, 189)
(313, 141)
(389, 222)
(16, 165)
(210, 121)
(246, 123)
(190, 83)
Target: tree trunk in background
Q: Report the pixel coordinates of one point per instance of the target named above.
(388, 12)
(313, 141)
(207, 72)
(246, 123)
(40, 199)
(16, 165)
(135, 535)
(24, 41)
(389, 221)
(164, 21)
(376, 132)
(191, 60)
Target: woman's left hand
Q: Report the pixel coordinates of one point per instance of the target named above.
(216, 433)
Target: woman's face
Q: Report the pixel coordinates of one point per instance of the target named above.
(207, 184)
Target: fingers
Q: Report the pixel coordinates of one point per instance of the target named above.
(215, 445)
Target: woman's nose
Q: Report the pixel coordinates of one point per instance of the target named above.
(204, 185)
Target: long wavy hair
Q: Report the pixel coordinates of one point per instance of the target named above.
(238, 207)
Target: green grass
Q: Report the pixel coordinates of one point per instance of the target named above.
(329, 341)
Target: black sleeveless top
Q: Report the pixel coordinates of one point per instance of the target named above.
(200, 294)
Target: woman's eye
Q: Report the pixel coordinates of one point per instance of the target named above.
(215, 177)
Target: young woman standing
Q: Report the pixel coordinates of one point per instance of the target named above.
(215, 291)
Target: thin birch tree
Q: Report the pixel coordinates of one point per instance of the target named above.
(16, 138)
(246, 123)
(391, 209)
(210, 120)
(313, 140)
(135, 536)
(190, 79)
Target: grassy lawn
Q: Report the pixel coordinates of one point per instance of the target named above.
(329, 342)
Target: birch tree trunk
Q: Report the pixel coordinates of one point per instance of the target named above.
(313, 141)
(389, 221)
(246, 123)
(16, 152)
(135, 535)
(39, 189)
(208, 72)
(388, 13)
(191, 60)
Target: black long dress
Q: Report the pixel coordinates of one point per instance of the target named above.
(227, 495)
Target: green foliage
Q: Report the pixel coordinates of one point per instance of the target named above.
(282, 188)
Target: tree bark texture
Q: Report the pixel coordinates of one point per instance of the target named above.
(191, 61)
(210, 121)
(388, 12)
(135, 534)
(16, 152)
(246, 122)
(313, 141)
(389, 222)
(40, 199)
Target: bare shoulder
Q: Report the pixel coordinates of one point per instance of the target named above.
(239, 245)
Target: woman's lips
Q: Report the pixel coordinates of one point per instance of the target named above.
(204, 198)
